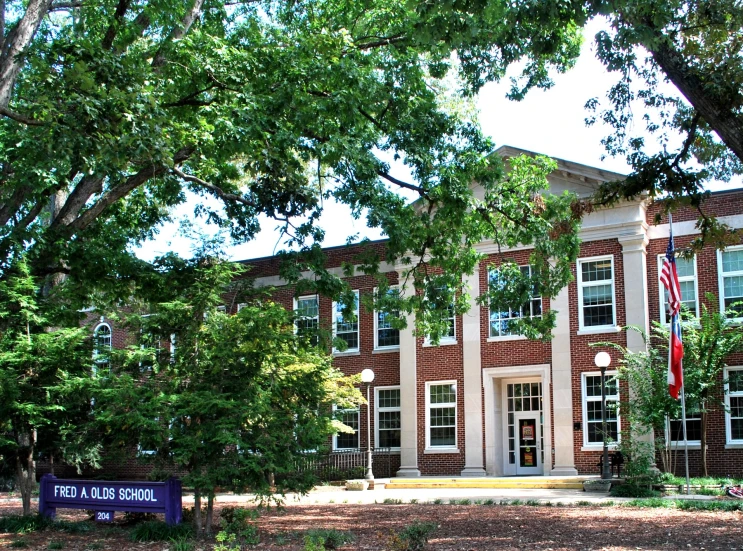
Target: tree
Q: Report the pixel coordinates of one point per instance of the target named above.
(239, 402)
(44, 385)
(708, 341)
(111, 111)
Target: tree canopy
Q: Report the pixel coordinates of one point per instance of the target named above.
(113, 109)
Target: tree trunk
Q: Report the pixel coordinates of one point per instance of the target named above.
(197, 512)
(209, 514)
(26, 475)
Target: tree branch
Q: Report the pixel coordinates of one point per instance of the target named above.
(113, 28)
(422, 192)
(219, 192)
(178, 32)
(19, 118)
(382, 41)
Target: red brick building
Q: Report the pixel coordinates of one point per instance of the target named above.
(487, 402)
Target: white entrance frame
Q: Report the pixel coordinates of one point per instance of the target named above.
(494, 380)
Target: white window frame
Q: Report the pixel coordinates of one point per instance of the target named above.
(378, 409)
(721, 277)
(670, 436)
(446, 339)
(357, 411)
(728, 417)
(376, 326)
(296, 307)
(348, 350)
(241, 305)
(490, 311)
(96, 351)
(662, 290)
(582, 285)
(430, 406)
(609, 398)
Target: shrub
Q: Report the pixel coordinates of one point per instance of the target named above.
(630, 489)
(413, 537)
(18, 524)
(331, 539)
(18, 544)
(239, 521)
(156, 530)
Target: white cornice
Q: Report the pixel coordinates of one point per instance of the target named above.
(689, 227)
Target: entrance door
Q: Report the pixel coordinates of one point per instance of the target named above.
(529, 443)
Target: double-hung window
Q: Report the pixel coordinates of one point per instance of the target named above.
(596, 293)
(347, 330)
(592, 419)
(501, 319)
(687, 272)
(347, 440)
(730, 262)
(386, 336)
(307, 310)
(388, 423)
(449, 336)
(441, 415)
(734, 405)
(693, 428)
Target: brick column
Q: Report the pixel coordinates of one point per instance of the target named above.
(562, 389)
(408, 397)
(473, 450)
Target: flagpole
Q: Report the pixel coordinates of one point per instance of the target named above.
(677, 319)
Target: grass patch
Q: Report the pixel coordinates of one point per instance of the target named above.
(584, 503)
(156, 530)
(392, 501)
(488, 502)
(464, 501)
(18, 544)
(532, 503)
(19, 524)
(632, 490)
(55, 545)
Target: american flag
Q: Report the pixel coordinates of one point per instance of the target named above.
(670, 279)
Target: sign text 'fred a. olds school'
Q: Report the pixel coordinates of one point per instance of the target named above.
(105, 497)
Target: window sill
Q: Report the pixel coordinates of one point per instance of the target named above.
(506, 338)
(347, 353)
(441, 343)
(598, 448)
(386, 349)
(599, 330)
(679, 446)
(734, 446)
(440, 450)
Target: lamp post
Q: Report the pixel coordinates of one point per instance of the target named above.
(367, 376)
(602, 361)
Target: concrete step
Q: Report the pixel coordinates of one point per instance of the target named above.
(549, 483)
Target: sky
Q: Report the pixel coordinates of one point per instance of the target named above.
(550, 122)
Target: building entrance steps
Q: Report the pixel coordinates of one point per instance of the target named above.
(504, 482)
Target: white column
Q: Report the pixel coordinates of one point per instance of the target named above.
(473, 459)
(408, 396)
(562, 389)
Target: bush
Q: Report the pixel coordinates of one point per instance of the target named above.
(157, 530)
(19, 524)
(629, 489)
(413, 537)
(331, 539)
(239, 522)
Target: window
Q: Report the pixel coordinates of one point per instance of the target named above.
(596, 293)
(734, 403)
(388, 422)
(687, 272)
(501, 318)
(386, 336)
(450, 334)
(592, 428)
(241, 305)
(102, 345)
(730, 262)
(693, 428)
(308, 316)
(441, 414)
(347, 440)
(347, 330)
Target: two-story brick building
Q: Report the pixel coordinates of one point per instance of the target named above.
(487, 402)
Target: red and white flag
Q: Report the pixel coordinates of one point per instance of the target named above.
(669, 279)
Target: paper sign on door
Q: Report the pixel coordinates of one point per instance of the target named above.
(527, 432)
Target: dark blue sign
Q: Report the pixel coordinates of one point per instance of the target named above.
(105, 497)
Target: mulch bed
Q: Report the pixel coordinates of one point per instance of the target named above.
(461, 528)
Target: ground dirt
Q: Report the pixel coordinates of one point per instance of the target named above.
(460, 528)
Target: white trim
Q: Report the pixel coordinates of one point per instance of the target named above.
(350, 351)
(357, 411)
(721, 276)
(429, 406)
(506, 338)
(584, 419)
(581, 285)
(378, 348)
(662, 290)
(729, 442)
(241, 305)
(599, 330)
(377, 410)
